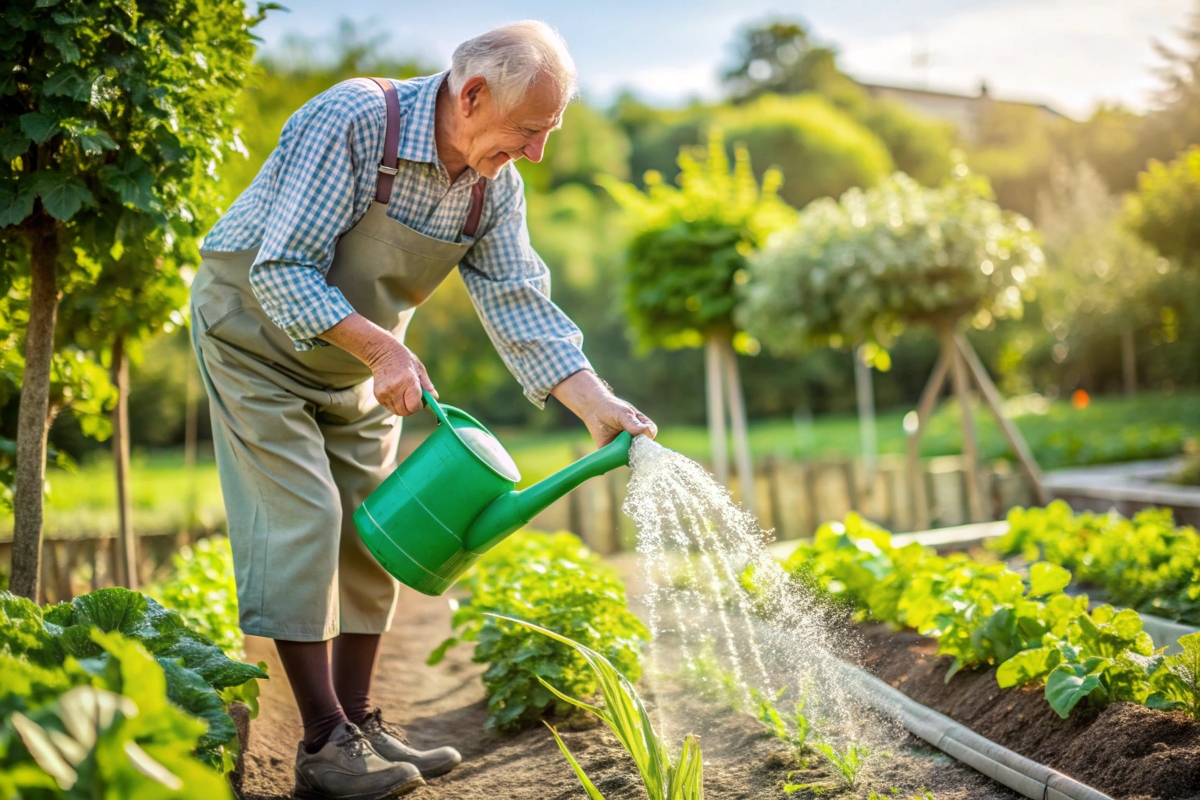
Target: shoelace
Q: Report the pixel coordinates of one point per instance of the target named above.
(353, 742)
(375, 722)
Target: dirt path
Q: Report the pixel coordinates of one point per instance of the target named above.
(446, 705)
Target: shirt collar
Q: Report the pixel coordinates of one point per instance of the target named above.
(417, 142)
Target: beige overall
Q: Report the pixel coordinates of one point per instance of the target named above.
(300, 439)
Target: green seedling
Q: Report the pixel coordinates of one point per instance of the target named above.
(623, 712)
(792, 728)
(1177, 682)
(849, 763)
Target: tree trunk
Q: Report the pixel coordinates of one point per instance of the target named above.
(716, 410)
(1129, 361)
(191, 415)
(962, 391)
(737, 417)
(916, 477)
(33, 418)
(866, 417)
(126, 542)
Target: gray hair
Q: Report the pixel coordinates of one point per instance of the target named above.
(511, 58)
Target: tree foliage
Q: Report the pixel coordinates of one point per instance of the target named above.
(691, 243)
(781, 57)
(1165, 211)
(858, 270)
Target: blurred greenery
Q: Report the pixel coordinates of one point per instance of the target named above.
(796, 111)
(1109, 429)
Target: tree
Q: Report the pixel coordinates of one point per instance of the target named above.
(113, 117)
(820, 151)
(780, 57)
(1165, 210)
(1176, 123)
(1096, 268)
(686, 258)
(857, 271)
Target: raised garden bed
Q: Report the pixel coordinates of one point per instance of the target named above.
(1126, 750)
(1128, 488)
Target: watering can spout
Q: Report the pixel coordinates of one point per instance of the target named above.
(511, 510)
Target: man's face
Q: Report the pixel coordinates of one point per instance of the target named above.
(495, 138)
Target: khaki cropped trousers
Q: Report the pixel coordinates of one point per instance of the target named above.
(295, 461)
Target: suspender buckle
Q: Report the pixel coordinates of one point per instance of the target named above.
(388, 170)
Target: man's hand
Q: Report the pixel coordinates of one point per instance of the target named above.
(400, 378)
(604, 414)
(399, 375)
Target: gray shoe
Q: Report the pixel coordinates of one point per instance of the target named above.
(390, 742)
(347, 768)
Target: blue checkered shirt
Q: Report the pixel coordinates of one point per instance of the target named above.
(319, 182)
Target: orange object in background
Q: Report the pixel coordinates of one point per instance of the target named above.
(1080, 398)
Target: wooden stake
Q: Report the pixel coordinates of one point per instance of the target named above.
(716, 410)
(961, 381)
(737, 417)
(916, 478)
(1129, 361)
(991, 396)
(126, 541)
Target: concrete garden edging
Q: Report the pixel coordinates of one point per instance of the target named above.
(1021, 774)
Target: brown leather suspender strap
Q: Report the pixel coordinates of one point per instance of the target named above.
(478, 191)
(391, 142)
(391, 150)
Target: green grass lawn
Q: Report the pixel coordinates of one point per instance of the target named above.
(1109, 429)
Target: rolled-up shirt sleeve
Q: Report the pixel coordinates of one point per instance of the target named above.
(509, 285)
(314, 204)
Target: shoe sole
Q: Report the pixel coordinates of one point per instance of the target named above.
(441, 769)
(306, 792)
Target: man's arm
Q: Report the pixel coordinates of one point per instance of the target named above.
(399, 374)
(313, 190)
(510, 288)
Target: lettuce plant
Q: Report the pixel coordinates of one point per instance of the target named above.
(1177, 684)
(1104, 656)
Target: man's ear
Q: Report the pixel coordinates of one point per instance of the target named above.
(472, 94)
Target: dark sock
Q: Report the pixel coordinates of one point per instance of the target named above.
(307, 668)
(354, 658)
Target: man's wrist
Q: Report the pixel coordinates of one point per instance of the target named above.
(582, 391)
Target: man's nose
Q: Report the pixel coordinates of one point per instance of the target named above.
(536, 147)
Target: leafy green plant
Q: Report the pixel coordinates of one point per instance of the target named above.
(791, 727)
(1146, 563)
(554, 581)
(664, 778)
(848, 763)
(52, 650)
(1104, 656)
(201, 588)
(116, 736)
(989, 614)
(1177, 684)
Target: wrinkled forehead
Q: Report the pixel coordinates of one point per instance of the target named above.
(542, 106)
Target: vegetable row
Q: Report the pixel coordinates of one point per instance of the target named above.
(986, 614)
(1147, 563)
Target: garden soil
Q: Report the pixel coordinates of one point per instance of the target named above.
(445, 705)
(1127, 751)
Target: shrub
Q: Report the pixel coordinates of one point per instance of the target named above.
(555, 582)
(201, 588)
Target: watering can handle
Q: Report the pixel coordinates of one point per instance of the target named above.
(432, 405)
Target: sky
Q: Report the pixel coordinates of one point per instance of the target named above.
(1071, 54)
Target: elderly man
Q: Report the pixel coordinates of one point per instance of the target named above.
(377, 189)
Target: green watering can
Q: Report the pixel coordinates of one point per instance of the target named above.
(453, 499)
